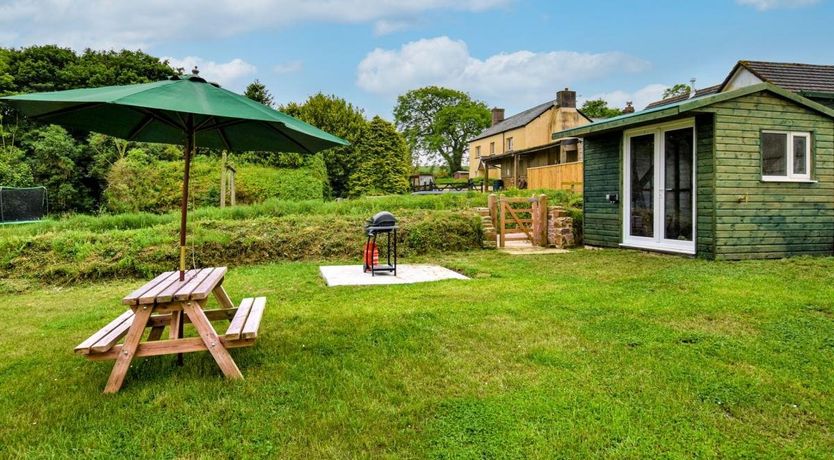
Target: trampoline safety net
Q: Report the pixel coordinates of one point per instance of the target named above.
(22, 204)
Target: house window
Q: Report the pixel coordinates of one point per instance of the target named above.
(478, 152)
(509, 144)
(786, 156)
(492, 148)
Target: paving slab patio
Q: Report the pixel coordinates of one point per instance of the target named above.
(352, 275)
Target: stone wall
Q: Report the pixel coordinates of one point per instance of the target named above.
(559, 228)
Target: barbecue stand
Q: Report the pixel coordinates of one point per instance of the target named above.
(381, 223)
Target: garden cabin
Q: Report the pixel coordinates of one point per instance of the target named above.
(741, 172)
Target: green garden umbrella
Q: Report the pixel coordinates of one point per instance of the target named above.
(185, 110)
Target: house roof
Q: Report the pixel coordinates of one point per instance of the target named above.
(790, 76)
(675, 109)
(518, 120)
(682, 97)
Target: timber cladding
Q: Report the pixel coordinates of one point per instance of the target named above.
(755, 219)
(602, 219)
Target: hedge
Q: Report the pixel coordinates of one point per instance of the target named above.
(144, 252)
(135, 185)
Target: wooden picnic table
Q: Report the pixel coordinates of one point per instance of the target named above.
(165, 301)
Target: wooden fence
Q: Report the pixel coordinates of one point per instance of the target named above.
(566, 176)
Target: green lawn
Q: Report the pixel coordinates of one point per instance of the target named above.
(593, 353)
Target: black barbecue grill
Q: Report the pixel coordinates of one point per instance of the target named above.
(381, 223)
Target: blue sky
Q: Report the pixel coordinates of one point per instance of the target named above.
(508, 53)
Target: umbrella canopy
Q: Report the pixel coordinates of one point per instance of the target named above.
(183, 110)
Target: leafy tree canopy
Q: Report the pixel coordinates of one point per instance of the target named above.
(598, 108)
(382, 161)
(341, 118)
(439, 122)
(679, 89)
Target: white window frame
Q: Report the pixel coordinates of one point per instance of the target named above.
(791, 176)
(657, 242)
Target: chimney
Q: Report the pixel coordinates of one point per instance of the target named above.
(497, 116)
(566, 99)
(628, 108)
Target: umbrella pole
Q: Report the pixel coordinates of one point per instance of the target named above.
(189, 146)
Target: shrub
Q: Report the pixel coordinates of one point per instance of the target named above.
(136, 183)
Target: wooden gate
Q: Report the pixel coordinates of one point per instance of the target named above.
(522, 219)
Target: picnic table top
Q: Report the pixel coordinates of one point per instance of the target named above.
(167, 287)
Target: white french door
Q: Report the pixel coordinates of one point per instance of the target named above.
(659, 187)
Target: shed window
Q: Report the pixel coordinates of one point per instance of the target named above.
(786, 156)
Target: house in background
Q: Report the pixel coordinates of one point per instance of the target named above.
(519, 151)
(741, 170)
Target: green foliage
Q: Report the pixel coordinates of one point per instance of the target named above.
(438, 123)
(382, 161)
(257, 92)
(14, 172)
(598, 108)
(73, 167)
(138, 183)
(57, 163)
(678, 89)
(341, 118)
(76, 254)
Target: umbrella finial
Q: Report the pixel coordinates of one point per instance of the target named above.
(195, 71)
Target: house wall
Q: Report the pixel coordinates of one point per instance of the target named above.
(755, 219)
(534, 134)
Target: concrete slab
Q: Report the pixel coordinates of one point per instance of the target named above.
(352, 275)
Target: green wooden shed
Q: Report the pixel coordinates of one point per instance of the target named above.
(741, 174)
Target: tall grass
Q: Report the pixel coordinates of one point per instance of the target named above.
(366, 206)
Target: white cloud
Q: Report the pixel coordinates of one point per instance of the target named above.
(229, 74)
(639, 98)
(526, 75)
(389, 26)
(133, 24)
(764, 5)
(288, 67)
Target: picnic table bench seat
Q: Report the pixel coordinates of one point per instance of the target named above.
(247, 319)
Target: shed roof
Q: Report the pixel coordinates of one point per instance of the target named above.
(687, 105)
(790, 76)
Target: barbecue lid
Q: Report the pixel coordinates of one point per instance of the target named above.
(382, 220)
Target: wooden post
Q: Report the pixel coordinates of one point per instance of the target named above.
(223, 181)
(543, 219)
(232, 184)
(501, 221)
(486, 177)
(492, 204)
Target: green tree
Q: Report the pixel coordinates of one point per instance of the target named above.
(341, 118)
(383, 161)
(55, 164)
(257, 92)
(679, 89)
(598, 108)
(439, 122)
(14, 172)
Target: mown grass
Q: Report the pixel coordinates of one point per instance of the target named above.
(587, 354)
